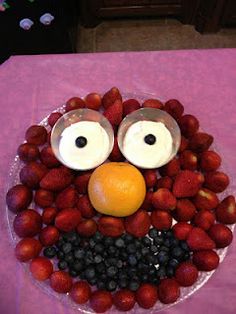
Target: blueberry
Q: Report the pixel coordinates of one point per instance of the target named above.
(92, 243)
(119, 264)
(163, 257)
(111, 285)
(112, 261)
(168, 234)
(123, 282)
(151, 259)
(111, 271)
(177, 252)
(154, 280)
(153, 233)
(98, 248)
(184, 245)
(120, 243)
(161, 272)
(131, 248)
(108, 241)
(90, 272)
(50, 252)
(146, 241)
(153, 248)
(97, 259)
(186, 256)
(101, 284)
(127, 238)
(73, 237)
(138, 255)
(170, 271)
(67, 247)
(60, 255)
(73, 273)
(98, 237)
(82, 275)
(137, 243)
(69, 258)
(100, 268)
(144, 278)
(78, 265)
(79, 253)
(158, 240)
(144, 251)
(132, 260)
(164, 248)
(112, 250)
(92, 281)
(133, 285)
(174, 242)
(62, 265)
(173, 263)
(150, 139)
(81, 141)
(123, 255)
(167, 242)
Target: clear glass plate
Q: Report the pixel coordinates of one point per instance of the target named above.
(64, 298)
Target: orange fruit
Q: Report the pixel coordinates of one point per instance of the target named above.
(116, 189)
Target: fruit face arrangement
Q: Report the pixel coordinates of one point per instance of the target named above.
(118, 235)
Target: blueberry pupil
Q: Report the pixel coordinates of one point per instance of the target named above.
(81, 141)
(150, 139)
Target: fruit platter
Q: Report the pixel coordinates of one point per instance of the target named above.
(119, 203)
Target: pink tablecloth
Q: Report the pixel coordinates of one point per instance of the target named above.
(30, 87)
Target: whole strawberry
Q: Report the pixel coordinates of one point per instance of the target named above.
(124, 300)
(206, 260)
(168, 291)
(101, 301)
(60, 281)
(146, 295)
(186, 274)
(198, 239)
(221, 235)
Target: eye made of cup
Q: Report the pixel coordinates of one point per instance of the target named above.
(82, 139)
(149, 138)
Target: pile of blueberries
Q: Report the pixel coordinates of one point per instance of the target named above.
(123, 262)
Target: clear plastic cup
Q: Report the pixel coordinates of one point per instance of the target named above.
(73, 117)
(155, 115)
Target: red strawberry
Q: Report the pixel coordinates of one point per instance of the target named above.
(54, 116)
(61, 282)
(199, 240)
(216, 181)
(111, 226)
(43, 198)
(81, 181)
(171, 169)
(36, 135)
(138, 224)
(68, 219)
(164, 182)
(204, 219)
(150, 178)
(87, 228)
(66, 198)
(74, 103)
(80, 292)
(181, 230)
(188, 160)
(32, 173)
(130, 105)
(27, 248)
(110, 97)
(48, 215)
(116, 153)
(27, 223)
(48, 157)
(189, 125)
(221, 235)
(200, 142)
(18, 198)
(28, 152)
(174, 108)
(161, 219)
(49, 235)
(57, 179)
(147, 203)
(85, 207)
(146, 295)
(206, 260)
(205, 199)
(163, 199)
(93, 101)
(124, 300)
(186, 274)
(114, 113)
(226, 210)
(49, 137)
(168, 291)
(209, 161)
(185, 210)
(41, 268)
(101, 301)
(183, 144)
(152, 103)
(187, 183)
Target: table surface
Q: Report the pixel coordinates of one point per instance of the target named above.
(32, 86)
